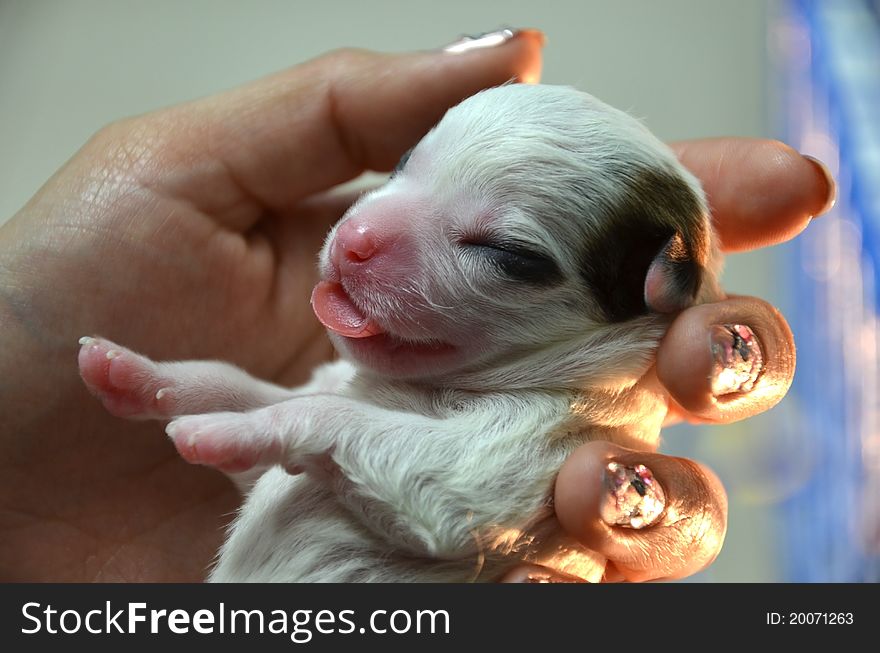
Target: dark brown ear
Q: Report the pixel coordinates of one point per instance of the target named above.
(638, 269)
(648, 254)
(673, 278)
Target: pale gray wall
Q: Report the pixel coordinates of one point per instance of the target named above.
(690, 68)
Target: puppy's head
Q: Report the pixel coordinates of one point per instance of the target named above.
(529, 217)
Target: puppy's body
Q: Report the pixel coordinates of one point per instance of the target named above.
(498, 303)
(410, 484)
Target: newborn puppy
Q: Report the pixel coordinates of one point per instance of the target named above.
(496, 304)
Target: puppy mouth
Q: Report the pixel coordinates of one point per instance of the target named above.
(336, 310)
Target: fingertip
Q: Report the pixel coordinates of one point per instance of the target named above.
(528, 60)
(720, 381)
(761, 192)
(682, 539)
(595, 497)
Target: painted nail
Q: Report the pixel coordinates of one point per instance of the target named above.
(486, 40)
(736, 359)
(829, 179)
(633, 497)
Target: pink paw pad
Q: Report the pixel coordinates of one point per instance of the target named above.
(216, 441)
(126, 383)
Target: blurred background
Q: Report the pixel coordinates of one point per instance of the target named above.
(803, 479)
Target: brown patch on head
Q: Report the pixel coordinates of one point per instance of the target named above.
(660, 215)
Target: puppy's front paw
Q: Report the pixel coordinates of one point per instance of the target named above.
(231, 442)
(127, 383)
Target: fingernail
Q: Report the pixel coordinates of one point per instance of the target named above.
(486, 40)
(633, 497)
(86, 340)
(736, 359)
(829, 179)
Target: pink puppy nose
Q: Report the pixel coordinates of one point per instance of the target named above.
(354, 243)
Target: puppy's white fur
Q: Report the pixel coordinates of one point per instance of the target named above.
(441, 467)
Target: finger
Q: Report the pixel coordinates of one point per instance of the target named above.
(761, 192)
(321, 123)
(728, 360)
(679, 509)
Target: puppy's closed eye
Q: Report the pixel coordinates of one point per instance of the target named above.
(517, 262)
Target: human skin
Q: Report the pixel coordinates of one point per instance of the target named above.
(191, 233)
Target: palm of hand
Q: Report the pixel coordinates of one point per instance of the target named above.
(113, 501)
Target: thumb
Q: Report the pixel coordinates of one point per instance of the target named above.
(280, 139)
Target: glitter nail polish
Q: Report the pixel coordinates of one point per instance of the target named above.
(485, 40)
(736, 359)
(633, 497)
